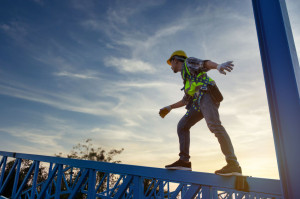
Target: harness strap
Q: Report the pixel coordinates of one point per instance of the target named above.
(204, 79)
(200, 93)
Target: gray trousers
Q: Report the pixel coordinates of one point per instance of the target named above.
(208, 111)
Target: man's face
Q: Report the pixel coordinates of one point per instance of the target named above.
(175, 65)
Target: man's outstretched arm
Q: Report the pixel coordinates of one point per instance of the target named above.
(164, 111)
(185, 100)
(220, 67)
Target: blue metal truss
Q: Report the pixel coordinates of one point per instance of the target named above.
(90, 179)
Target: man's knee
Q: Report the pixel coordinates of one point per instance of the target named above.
(216, 128)
(182, 127)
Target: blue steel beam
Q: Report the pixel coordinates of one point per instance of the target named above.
(127, 185)
(282, 80)
(259, 185)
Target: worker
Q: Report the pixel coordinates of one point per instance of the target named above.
(202, 99)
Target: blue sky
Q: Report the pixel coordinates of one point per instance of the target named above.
(71, 71)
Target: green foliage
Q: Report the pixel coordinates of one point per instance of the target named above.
(85, 151)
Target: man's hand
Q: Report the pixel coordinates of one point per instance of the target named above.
(164, 111)
(225, 66)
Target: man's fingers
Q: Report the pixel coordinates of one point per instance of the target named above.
(228, 66)
(231, 67)
(229, 63)
(228, 69)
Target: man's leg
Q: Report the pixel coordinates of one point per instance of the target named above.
(211, 114)
(183, 130)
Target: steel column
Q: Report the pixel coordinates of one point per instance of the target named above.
(138, 190)
(58, 181)
(92, 184)
(282, 79)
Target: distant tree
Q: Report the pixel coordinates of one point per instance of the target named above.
(85, 151)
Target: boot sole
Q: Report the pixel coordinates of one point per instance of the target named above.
(179, 168)
(230, 174)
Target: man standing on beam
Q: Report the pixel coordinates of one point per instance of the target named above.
(202, 99)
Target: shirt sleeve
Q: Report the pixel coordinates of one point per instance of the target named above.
(196, 65)
(203, 68)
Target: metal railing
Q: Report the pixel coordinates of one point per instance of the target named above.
(72, 178)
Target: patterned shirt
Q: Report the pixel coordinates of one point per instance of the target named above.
(195, 66)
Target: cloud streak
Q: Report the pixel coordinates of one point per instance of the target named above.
(124, 65)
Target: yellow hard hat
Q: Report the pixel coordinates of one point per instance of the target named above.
(180, 53)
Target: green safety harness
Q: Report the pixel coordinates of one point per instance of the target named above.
(195, 86)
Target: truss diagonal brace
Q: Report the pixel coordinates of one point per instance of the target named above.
(26, 179)
(49, 180)
(192, 192)
(8, 177)
(79, 183)
(124, 186)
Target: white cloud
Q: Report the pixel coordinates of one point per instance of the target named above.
(38, 138)
(129, 65)
(150, 84)
(76, 75)
(60, 100)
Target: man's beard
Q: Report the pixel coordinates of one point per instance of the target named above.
(174, 70)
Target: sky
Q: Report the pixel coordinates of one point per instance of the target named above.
(71, 71)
